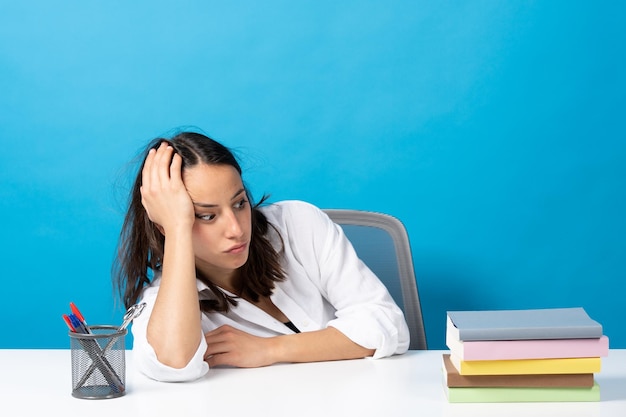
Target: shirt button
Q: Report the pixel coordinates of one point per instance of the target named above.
(306, 323)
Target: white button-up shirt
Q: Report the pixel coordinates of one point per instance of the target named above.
(326, 285)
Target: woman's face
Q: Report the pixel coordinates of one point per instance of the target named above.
(222, 229)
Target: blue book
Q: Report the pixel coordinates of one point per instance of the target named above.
(550, 323)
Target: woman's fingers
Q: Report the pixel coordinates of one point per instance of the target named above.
(157, 169)
(147, 168)
(146, 179)
(221, 347)
(229, 346)
(163, 161)
(152, 165)
(152, 177)
(176, 169)
(163, 193)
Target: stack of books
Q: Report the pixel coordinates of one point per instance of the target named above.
(523, 355)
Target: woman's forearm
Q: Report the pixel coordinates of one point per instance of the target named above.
(321, 345)
(174, 329)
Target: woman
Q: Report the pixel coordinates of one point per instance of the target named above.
(227, 282)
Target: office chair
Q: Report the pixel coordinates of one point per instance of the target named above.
(382, 243)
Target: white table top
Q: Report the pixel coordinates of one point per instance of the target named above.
(38, 382)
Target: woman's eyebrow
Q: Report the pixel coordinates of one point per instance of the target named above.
(209, 205)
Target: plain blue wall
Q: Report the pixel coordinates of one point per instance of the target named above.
(495, 130)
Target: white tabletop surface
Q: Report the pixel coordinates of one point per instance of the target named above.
(38, 382)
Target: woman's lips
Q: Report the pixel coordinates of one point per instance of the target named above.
(237, 249)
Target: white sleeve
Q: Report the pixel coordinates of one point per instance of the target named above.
(365, 311)
(144, 357)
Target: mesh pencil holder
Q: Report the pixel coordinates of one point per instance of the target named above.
(98, 363)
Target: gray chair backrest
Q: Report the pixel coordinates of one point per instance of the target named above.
(381, 241)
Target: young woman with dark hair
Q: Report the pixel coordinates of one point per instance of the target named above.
(229, 282)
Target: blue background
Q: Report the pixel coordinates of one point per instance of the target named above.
(495, 130)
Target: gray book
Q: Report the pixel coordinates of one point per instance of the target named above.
(550, 323)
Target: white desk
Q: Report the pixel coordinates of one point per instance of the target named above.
(38, 382)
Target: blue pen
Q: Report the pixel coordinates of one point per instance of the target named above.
(77, 324)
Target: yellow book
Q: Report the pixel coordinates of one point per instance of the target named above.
(528, 366)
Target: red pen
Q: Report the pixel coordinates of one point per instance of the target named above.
(68, 322)
(79, 316)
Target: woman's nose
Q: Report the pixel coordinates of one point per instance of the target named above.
(233, 227)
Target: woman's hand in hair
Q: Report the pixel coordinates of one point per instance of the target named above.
(174, 324)
(163, 193)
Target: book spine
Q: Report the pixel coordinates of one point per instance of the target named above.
(486, 395)
(528, 349)
(528, 366)
(530, 333)
(453, 379)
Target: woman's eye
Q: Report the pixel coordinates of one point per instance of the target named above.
(241, 204)
(205, 217)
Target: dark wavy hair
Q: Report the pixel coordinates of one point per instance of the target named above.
(141, 244)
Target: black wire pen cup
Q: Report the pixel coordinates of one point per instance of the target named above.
(98, 362)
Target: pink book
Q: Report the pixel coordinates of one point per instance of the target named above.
(527, 349)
